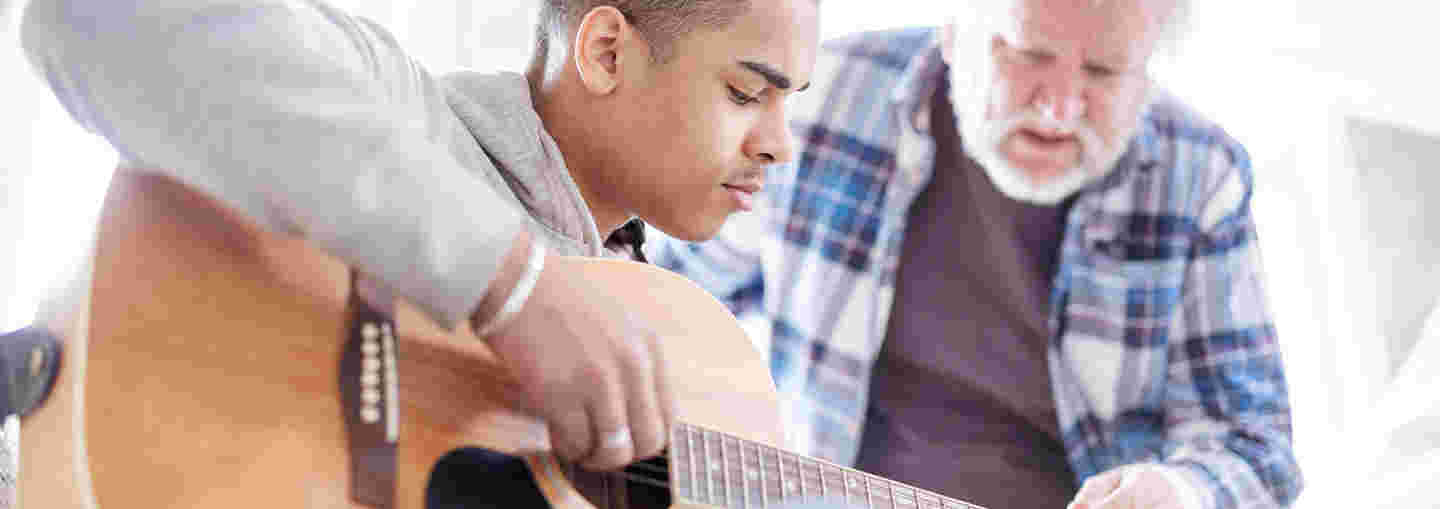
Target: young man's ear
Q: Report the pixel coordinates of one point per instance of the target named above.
(605, 43)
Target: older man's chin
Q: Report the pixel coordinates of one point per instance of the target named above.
(1020, 186)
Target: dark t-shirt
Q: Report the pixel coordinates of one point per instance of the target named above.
(961, 402)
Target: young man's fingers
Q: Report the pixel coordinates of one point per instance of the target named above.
(647, 423)
(570, 432)
(613, 446)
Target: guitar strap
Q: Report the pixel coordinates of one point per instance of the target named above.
(369, 392)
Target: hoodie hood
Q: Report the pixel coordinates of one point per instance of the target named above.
(497, 110)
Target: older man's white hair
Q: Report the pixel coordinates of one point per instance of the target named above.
(971, 71)
(985, 17)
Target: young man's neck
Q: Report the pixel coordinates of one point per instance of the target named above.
(560, 112)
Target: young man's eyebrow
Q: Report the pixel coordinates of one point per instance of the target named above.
(772, 75)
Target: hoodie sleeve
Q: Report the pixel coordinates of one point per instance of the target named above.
(306, 119)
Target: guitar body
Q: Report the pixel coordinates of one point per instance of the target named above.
(200, 371)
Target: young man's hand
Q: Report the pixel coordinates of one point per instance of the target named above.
(586, 365)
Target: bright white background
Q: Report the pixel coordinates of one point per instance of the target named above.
(1333, 99)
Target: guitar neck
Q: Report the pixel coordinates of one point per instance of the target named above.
(713, 468)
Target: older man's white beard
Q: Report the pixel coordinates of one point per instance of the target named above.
(982, 138)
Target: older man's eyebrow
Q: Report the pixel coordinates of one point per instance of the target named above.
(774, 76)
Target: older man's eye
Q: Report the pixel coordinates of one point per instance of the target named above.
(1038, 57)
(739, 97)
(1100, 71)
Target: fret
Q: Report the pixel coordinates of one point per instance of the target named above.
(891, 485)
(913, 497)
(879, 491)
(850, 482)
(820, 472)
(936, 502)
(745, 476)
(677, 455)
(800, 472)
(799, 482)
(869, 501)
(779, 478)
(677, 464)
(780, 465)
(738, 463)
(690, 453)
(705, 460)
(760, 463)
(725, 471)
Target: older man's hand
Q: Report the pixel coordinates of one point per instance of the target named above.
(1131, 487)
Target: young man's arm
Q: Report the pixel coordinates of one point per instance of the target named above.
(314, 122)
(304, 118)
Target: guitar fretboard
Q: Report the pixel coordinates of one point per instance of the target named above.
(712, 468)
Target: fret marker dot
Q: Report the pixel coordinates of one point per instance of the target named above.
(714, 465)
(750, 474)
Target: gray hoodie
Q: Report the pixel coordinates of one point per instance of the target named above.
(314, 122)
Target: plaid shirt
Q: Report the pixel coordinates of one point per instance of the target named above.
(1161, 350)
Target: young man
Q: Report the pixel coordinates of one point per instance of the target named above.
(1076, 304)
(451, 189)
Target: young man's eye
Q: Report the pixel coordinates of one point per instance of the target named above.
(739, 97)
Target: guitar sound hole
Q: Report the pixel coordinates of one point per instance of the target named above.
(647, 483)
(641, 485)
(479, 478)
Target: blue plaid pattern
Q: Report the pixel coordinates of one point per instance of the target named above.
(1162, 348)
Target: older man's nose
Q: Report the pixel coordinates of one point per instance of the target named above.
(1061, 98)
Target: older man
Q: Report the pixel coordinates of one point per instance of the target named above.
(1009, 268)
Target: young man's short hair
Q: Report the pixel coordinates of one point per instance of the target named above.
(660, 22)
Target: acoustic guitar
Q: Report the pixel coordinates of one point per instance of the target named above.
(200, 371)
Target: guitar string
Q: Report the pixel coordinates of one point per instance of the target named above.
(915, 499)
(659, 465)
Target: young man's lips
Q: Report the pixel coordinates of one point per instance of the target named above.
(743, 195)
(748, 187)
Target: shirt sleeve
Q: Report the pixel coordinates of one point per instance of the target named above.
(728, 265)
(306, 119)
(1227, 404)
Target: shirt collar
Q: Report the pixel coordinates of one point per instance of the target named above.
(923, 74)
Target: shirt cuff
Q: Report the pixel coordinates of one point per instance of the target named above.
(1185, 491)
